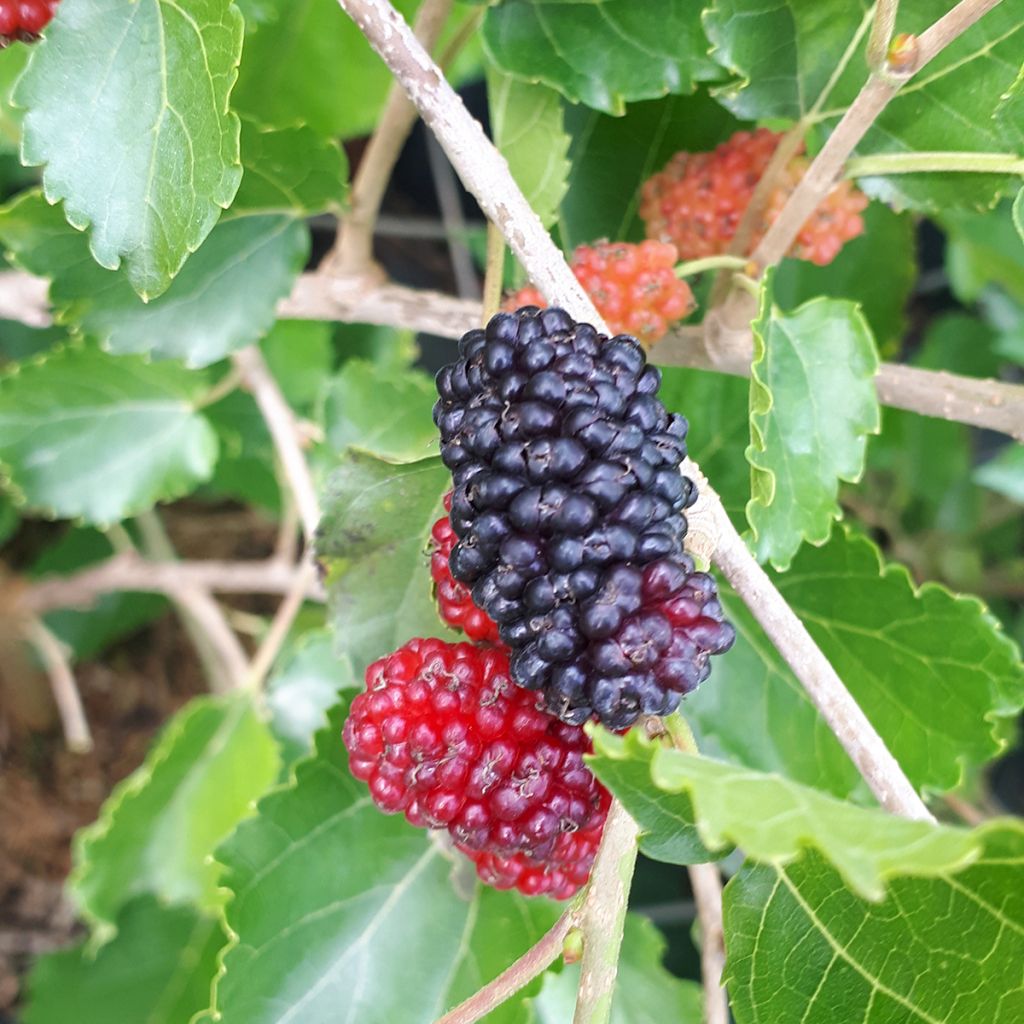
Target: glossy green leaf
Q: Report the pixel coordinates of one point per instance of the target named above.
(526, 119)
(128, 111)
(340, 911)
(877, 270)
(798, 59)
(223, 299)
(1004, 473)
(308, 63)
(812, 403)
(612, 157)
(88, 631)
(385, 412)
(290, 170)
(87, 435)
(157, 970)
(158, 828)
(945, 947)
(932, 671)
(773, 819)
(373, 540)
(303, 687)
(645, 993)
(300, 355)
(603, 53)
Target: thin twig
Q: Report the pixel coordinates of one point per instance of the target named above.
(62, 682)
(446, 187)
(353, 250)
(272, 643)
(990, 404)
(483, 170)
(513, 979)
(603, 917)
(812, 669)
(130, 572)
(281, 422)
(706, 882)
(223, 659)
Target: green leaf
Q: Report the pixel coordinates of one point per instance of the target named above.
(932, 671)
(12, 62)
(300, 356)
(304, 686)
(158, 970)
(812, 403)
(716, 407)
(603, 53)
(937, 948)
(88, 631)
(290, 170)
(526, 119)
(645, 993)
(92, 436)
(127, 108)
(796, 59)
(339, 911)
(158, 828)
(773, 819)
(222, 300)
(386, 412)
(613, 156)
(373, 536)
(291, 72)
(1004, 473)
(877, 270)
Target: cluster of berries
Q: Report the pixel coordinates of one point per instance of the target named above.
(633, 287)
(560, 556)
(567, 506)
(445, 737)
(691, 210)
(23, 20)
(697, 201)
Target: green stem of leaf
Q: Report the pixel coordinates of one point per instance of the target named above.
(228, 383)
(495, 272)
(692, 267)
(914, 163)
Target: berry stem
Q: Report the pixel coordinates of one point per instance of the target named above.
(913, 163)
(603, 917)
(530, 965)
(692, 267)
(495, 272)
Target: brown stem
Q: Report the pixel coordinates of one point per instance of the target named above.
(603, 917)
(812, 669)
(281, 422)
(882, 26)
(62, 683)
(532, 963)
(706, 882)
(352, 254)
(129, 572)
